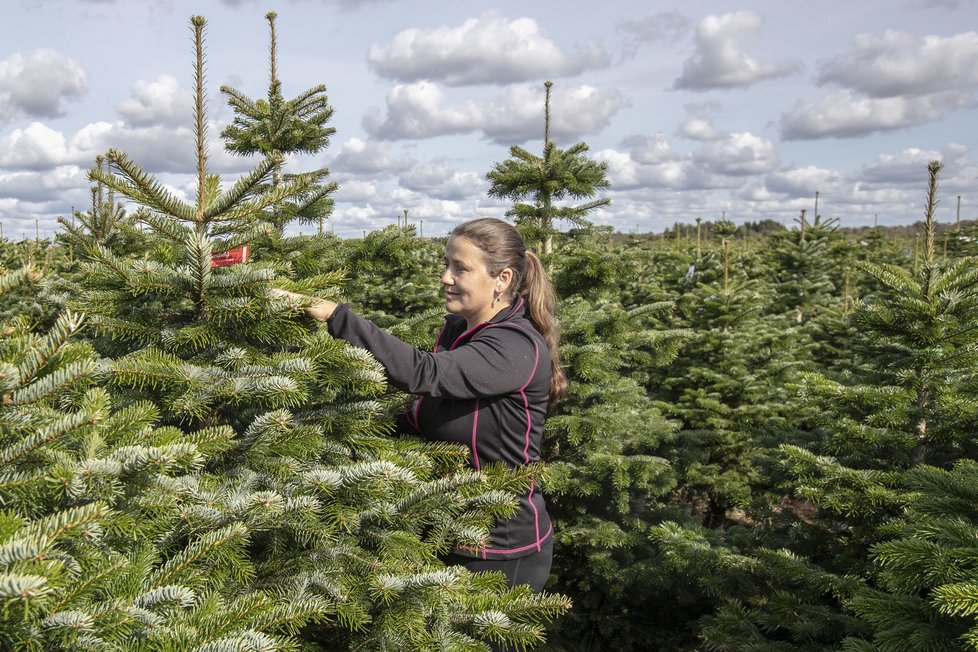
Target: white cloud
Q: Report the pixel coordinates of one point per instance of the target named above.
(738, 154)
(369, 157)
(32, 199)
(649, 150)
(45, 186)
(432, 217)
(579, 110)
(439, 180)
(900, 64)
(720, 60)
(157, 103)
(357, 191)
(415, 111)
(696, 128)
(421, 110)
(699, 125)
(648, 162)
(701, 177)
(845, 115)
(909, 167)
(755, 193)
(623, 170)
(664, 26)
(155, 149)
(893, 81)
(35, 147)
(36, 84)
(159, 149)
(805, 182)
(487, 50)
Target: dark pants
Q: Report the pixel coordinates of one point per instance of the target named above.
(534, 569)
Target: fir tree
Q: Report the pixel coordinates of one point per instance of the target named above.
(88, 490)
(806, 267)
(728, 391)
(557, 175)
(341, 521)
(394, 275)
(275, 127)
(42, 302)
(104, 224)
(908, 404)
(606, 482)
(722, 555)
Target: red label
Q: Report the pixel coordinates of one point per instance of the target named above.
(230, 257)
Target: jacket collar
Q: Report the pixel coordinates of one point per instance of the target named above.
(509, 313)
(514, 311)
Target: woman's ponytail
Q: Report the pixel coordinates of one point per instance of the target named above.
(541, 302)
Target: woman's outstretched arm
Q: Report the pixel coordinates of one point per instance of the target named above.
(318, 309)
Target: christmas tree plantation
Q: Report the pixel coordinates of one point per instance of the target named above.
(767, 443)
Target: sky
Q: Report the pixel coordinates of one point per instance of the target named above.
(712, 109)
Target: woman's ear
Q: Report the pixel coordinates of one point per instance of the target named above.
(503, 280)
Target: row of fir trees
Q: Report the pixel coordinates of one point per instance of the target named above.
(767, 443)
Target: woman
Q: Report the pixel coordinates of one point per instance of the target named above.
(488, 383)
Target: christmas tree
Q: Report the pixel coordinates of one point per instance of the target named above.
(340, 523)
(556, 175)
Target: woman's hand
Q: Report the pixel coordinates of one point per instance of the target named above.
(318, 309)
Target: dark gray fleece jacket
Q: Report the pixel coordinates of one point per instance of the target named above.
(486, 388)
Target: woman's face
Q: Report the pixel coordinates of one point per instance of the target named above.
(469, 289)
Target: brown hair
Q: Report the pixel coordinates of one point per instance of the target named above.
(502, 247)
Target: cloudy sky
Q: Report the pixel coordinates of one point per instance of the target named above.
(709, 108)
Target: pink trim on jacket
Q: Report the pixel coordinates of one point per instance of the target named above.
(538, 544)
(526, 447)
(475, 425)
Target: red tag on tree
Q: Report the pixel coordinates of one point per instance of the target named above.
(230, 257)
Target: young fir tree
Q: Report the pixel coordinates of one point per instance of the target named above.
(557, 175)
(89, 493)
(736, 592)
(909, 404)
(276, 128)
(814, 279)
(393, 274)
(606, 482)
(104, 224)
(805, 267)
(925, 593)
(42, 302)
(341, 521)
(728, 390)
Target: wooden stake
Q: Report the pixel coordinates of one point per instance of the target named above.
(699, 230)
(845, 301)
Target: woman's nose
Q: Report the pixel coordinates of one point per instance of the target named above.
(446, 278)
